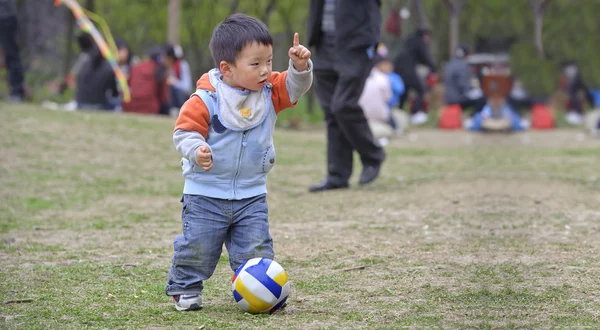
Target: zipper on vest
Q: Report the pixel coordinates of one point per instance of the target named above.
(239, 162)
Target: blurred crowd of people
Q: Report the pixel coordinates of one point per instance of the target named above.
(395, 79)
(161, 81)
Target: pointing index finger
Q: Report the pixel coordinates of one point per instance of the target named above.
(296, 40)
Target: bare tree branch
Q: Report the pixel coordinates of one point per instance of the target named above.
(420, 17)
(539, 6)
(173, 23)
(454, 5)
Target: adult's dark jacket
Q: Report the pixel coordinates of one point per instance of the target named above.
(414, 52)
(8, 9)
(95, 80)
(357, 27)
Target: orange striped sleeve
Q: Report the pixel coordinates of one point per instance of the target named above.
(279, 93)
(194, 116)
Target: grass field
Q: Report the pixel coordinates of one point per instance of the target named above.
(461, 231)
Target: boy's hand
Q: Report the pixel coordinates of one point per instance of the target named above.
(204, 158)
(299, 54)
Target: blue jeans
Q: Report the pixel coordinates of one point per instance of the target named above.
(208, 223)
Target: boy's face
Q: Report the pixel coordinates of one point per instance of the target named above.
(252, 68)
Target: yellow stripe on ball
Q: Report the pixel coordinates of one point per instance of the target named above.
(255, 305)
(281, 278)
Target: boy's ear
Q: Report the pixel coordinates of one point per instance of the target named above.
(225, 69)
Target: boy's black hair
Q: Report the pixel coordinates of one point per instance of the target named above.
(233, 34)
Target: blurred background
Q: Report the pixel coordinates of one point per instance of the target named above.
(536, 35)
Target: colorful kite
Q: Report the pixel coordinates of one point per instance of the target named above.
(87, 26)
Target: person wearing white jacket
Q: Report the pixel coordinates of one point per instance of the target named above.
(375, 102)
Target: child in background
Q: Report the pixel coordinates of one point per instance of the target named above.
(497, 115)
(179, 77)
(380, 94)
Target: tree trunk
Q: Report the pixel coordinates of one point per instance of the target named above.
(454, 6)
(539, 7)
(233, 6)
(173, 23)
(453, 31)
(539, 43)
(268, 11)
(419, 14)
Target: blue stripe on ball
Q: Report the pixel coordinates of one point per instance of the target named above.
(259, 272)
(278, 306)
(237, 296)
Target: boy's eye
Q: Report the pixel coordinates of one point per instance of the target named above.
(254, 64)
(270, 61)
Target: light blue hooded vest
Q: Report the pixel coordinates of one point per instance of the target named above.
(241, 158)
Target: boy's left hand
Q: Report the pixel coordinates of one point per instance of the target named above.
(299, 54)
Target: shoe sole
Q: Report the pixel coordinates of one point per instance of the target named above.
(328, 189)
(368, 182)
(192, 307)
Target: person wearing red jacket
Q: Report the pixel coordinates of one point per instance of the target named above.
(148, 86)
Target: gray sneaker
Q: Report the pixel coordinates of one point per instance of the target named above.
(188, 302)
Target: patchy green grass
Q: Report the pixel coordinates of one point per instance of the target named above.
(461, 230)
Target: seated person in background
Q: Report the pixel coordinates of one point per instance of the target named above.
(148, 86)
(572, 81)
(377, 99)
(125, 60)
(458, 87)
(592, 118)
(593, 123)
(125, 57)
(497, 116)
(179, 76)
(96, 87)
(518, 97)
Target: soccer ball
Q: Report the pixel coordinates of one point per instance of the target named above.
(260, 285)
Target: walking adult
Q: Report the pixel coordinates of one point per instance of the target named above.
(344, 34)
